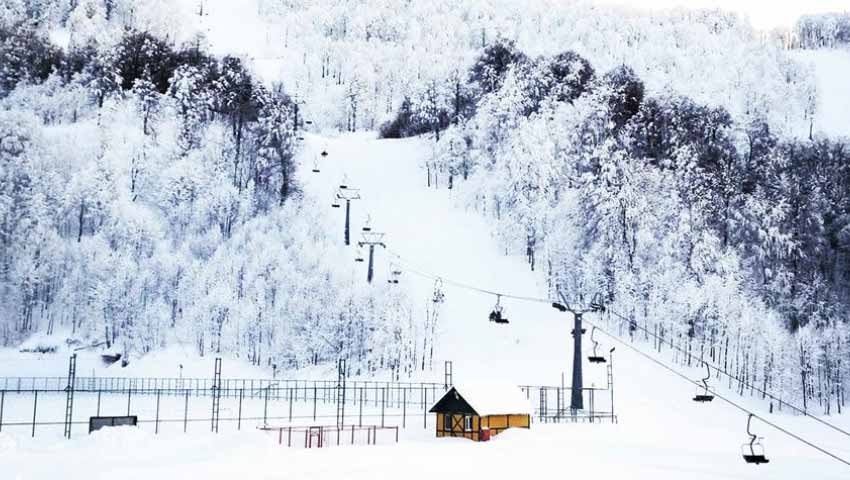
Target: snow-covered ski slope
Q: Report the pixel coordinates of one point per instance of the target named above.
(661, 434)
(435, 237)
(832, 69)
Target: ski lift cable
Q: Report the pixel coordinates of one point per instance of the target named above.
(746, 384)
(623, 318)
(409, 267)
(730, 402)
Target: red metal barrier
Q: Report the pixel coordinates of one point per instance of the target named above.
(320, 433)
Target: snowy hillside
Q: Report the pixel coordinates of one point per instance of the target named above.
(179, 181)
(661, 432)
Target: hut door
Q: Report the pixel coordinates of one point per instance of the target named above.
(457, 425)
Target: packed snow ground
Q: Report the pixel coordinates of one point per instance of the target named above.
(661, 433)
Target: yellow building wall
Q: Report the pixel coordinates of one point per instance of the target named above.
(496, 423)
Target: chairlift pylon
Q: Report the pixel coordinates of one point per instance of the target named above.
(496, 314)
(703, 395)
(753, 451)
(595, 358)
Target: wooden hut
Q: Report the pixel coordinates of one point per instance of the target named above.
(477, 412)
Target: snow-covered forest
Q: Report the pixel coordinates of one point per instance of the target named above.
(705, 225)
(147, 197)
(826, 30)
(670, 162)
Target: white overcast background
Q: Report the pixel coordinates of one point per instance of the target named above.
(764, 14)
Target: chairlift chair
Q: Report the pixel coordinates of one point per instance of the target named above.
(496, 314)
(395, 272)
(595, 358)
(753, 451)
(439, 296)
(703, 395)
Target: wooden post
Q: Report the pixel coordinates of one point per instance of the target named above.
(290, 404)
(98, 403)
(280, 435)
(404, 408)
(352, 434)
(289, 437)
(2, 401)
(383, 404)
(360, 421)
(129, 393)
(314, 400)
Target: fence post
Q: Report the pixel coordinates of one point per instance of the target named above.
(34, 408)
(2, 400)
(239, 418)
(266, 408)
(280, 436)
(129, 392)
(315, 393)
(186, 411)
(360, 421)
(290, 402)
(156, 428)
(404, 409)
(383, 404)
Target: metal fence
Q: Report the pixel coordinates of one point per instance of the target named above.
(200, 386)
(37, 402)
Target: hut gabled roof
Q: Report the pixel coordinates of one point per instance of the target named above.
(483, 399)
